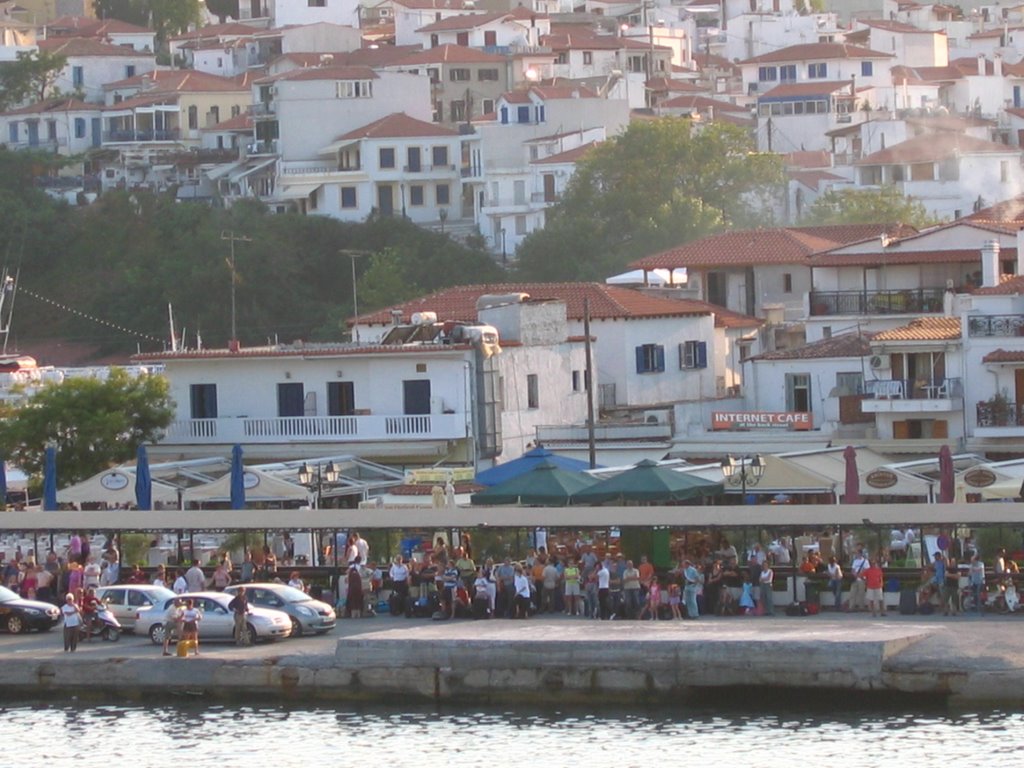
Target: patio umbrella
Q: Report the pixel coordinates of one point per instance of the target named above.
(647, 481)
(852, 494)
(947, 476)
(50, 478)
(526, 463)
(237, 478)
(3, 482)
(546, 483)
(143, 480)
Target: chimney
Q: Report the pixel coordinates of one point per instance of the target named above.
(990, 264)
(981, 65)
(1020, 251)
(997, 65)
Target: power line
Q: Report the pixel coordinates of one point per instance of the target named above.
(92, 318)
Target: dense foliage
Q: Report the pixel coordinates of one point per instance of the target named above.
(868, 206)
(657, 185)
(165, 17)
(29, 77)
(92, 423)
(124, 258)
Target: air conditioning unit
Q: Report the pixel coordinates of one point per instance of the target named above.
(880, 362)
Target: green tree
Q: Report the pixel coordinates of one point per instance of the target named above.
(29, 77)
(868, 206)
(93, 423)
(658, 184)
(165, 17)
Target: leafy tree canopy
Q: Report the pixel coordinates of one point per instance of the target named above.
(658, 184)
(868, 206)
(165, 17)
(93, 423)
(29, 77)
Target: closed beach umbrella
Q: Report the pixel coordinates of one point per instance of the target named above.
(237, 479)
(526, 463)
(143, 481)
(50, 479)
(544, 484)
(947, 476)
(3, 482)
(852, 494)
(648, 482)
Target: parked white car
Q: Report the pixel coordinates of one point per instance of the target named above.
(126, 600)
(308, 616)
(217, 622)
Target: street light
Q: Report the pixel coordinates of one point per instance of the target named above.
(747, 470)
(318, 479)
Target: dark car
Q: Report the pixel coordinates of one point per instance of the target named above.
(19, 615)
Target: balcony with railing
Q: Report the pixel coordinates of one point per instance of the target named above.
(936, 395)
(999, 417)
(313, 429)
(995, 325)
(896, 302)
(129, 135)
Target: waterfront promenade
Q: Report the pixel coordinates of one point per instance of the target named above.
(962, 660)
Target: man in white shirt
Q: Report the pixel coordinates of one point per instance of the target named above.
(362, 547)
(195, 578)
(604, 578)
(858, 589)
(91, 574)
(180, 585)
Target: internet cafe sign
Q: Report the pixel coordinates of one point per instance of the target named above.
(747, 420)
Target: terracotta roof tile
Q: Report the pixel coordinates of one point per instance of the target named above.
(382, 56)
(843, 345)
(893, 257)
(697, 101)
(1004, 356)
(816, 88)
(303, 350)
(438, 5)
(807, 51)
(397, 125)
(242, 122)
(568, 156)
(607, 302)
(334, 72)
(54, 105)
(178, 81)
(230, 29)
(462, 21)
(934, 147)
(808, 159)
(676, 86)
(1010, 285)
(743, 248)
(451, 54)
(87, 46)
(923, 329)
(81, 26)
(812, 179)
(1009, 214)
(896, 26)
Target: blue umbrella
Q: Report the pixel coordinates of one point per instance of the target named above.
(143, 480)
(526, 463)
(237, 479)
(50, 479)
(3, 483)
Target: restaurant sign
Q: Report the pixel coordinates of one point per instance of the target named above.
(979, 477)
(881, 478)
(746, 420)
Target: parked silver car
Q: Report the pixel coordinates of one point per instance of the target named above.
(126, 600)
(307, 615)
(217, 622)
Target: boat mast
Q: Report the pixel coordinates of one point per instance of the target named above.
(8, 289)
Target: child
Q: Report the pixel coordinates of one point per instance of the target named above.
(747, 597)
(653, 600)
(674, 599)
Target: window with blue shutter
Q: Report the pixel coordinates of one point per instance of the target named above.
(504, 115)
(650, 358)
(523, 115)
(867, 69)
(693, 354)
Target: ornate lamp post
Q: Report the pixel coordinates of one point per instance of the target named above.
(744, 471)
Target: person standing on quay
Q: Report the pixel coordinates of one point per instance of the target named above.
(604, 578)
(873, 580)
(692, 578)
(72, 621)
(767, 594)
(976, 578)
(239, 607)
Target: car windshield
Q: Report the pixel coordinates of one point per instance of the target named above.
(7, 595)
(158, 594)
(291, 594)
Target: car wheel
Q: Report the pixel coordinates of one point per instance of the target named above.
(253, 637)
(113, 634)
(296, 628)
(156, 634)
(15, 624)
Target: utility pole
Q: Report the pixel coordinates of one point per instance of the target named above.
(354, 253)
(229, 235)
(588, 383)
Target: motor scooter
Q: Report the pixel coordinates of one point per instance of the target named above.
(104, 625)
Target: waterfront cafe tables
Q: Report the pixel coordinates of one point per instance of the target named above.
(647, 482)
(546, 484)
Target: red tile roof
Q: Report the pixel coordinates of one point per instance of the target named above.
(231, 29)
(1007, 216)
(819, 158)
(933, 148)
(568, 156)
(451, 54)
(178, 81)
(694, 101)
(87, 46)
(334, 72)
(923, 329)
(812, 179)
(435, 5)
(843, 345)
(607, 302)
(817, 51)
(81, 26)
(1004, 356)
(397, 125)
(742, 248)
(304, 351)
(242, 122)
(896, 26)
(589, 41)
(463, 21)
(676, 86)
(54, 105)
(953, 256)
(382, 56)
(816, 88)
(1010, 285)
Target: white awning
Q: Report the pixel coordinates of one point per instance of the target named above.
(113, 487)
(259, 486)
(297, 191)
(222, 170)
(252, 169)
(334, 146)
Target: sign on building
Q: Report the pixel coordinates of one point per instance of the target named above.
(748, 420)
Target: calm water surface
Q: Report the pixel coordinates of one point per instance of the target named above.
(57, 734)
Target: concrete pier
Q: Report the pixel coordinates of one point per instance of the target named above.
(959, 661)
